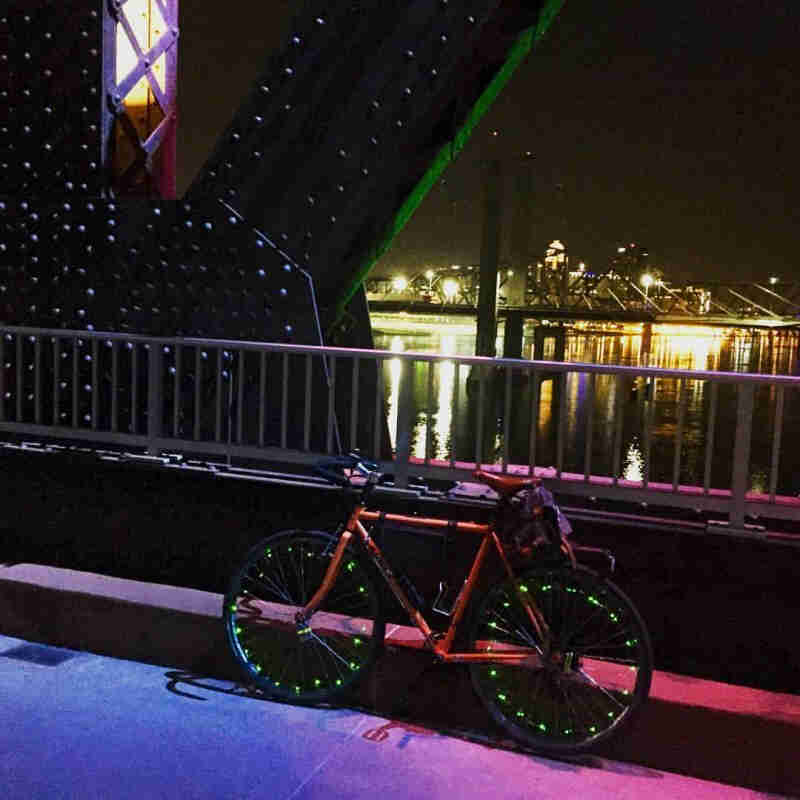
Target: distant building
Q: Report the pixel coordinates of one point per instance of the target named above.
(630, 260)
(556, 256)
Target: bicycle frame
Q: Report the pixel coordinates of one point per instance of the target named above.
(440, 647)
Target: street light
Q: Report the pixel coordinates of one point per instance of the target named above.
(773, 280)
(399, 283)
(450, 288)
(647, 280)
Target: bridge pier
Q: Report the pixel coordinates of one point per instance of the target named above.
(647, 343)
(490, 251)
(542, 333)
(513, 334)
(796, 367)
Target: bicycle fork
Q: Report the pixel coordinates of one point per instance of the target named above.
(331, 574)
(531, 609)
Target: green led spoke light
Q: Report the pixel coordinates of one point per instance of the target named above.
(548, 706)
(285, 649)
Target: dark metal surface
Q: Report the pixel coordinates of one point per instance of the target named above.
(334, 135)
(344, 122)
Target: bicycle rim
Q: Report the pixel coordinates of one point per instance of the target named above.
(588, 685)
(308, 662)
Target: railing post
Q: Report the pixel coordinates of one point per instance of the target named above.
(405, 396)
(741, 455)
(2, 378)
(155, 397)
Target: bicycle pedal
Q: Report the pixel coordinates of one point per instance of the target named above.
(445, 600)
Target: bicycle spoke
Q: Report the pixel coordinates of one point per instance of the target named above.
(292, 558)
(327, 647)
(268, 589)
(575, 632)
(323, 670)
(282, 675)
(550, 594)
(356, 595)
(304, 596)
(519, 635)
(603, 643)
(570, 710)
(327, 664)
(581, 700)
(577, 715)
(301, 651)
(564, 705)
(279, 563)
(601, 688)
(333, 648)
(522, 619)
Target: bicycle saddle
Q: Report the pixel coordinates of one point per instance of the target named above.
(506, 484)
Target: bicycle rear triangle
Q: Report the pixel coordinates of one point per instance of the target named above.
(558, 654)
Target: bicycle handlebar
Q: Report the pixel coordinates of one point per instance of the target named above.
(333, 469)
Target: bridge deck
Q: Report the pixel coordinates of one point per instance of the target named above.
(583, 313)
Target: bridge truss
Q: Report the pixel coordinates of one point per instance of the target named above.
(585, 295)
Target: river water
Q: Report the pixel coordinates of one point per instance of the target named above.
(444, 415)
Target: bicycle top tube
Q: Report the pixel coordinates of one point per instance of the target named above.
(426, 522)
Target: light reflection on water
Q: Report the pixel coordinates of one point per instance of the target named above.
(445, 421)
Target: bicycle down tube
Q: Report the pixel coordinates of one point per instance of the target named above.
(440, 648)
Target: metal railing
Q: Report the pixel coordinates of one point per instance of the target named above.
(423, 415)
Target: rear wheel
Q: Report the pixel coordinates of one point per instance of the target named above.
(592, 679)
(302, 662)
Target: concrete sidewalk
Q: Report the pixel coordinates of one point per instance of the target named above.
(703, 729)
(77, 725)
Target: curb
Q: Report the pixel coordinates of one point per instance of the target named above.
(704, 729)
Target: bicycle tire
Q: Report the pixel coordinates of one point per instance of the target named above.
(596, 677)
(307, 663)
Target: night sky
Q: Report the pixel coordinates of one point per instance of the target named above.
(671, 125)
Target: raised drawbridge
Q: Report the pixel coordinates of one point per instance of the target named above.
(335, 145)
(333, 148)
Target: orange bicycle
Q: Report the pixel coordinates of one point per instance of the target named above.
(557, 653)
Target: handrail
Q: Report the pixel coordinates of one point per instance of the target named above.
(271, 402)
(410, 355)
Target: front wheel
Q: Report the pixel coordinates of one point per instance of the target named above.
(313, 661)
(580, 688)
